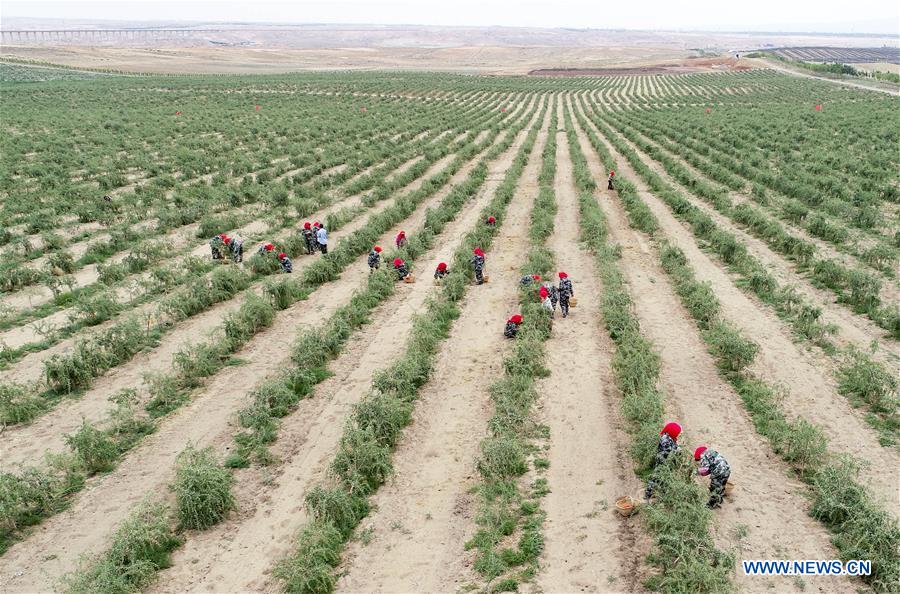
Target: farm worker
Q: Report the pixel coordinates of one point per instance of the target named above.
(512, 326)
(322, 239)
(529, 278)
(374, 259)
(565, 292)
(401, 268)
(315, 229)
(265, 248)
(668, 443)
(286, 265)
(545, 300)
(309, 238)
(478, 265)
(491, 221)
(237, 249)
(609, 180)
(400, 241)
(712, 463)
(217, 246)
(441, 271)
(554, 294)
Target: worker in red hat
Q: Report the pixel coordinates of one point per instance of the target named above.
(512, 326)
(544, 294)
(441, 271)
(401, 268)
(714, 465)
(566, 291)
(266, 248)
(491, 221)
(478, 265)
(374, 259)
(236, 244)
(287, 266)
(668, 444)
(309, 238)
(529, 278)
(217, 246)
(609, 180)
(400, 240)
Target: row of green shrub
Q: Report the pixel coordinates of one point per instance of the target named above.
(506, 506)
(363, 460)
(677, 520)
(787, 302)
(863, 530)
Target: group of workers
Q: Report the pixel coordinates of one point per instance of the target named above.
(711, 463)
(315, 237)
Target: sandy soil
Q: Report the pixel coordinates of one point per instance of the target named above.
(425, 513)
(37, 563)
(271, 513)
(587, 543)
(812, 392)
(765, 498)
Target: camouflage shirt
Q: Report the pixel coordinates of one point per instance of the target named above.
(402, 271)
(713, 461)
(374, 259)
(565, 289)
(510, 330)
(478, 262)
(666, 447)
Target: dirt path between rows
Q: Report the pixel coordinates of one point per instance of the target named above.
(766, 499)
(26, 443)
(587, 544)
(37, 563)
(425, 513)
(811, 391)
(853, 328)
(239, 554)
(842, 83)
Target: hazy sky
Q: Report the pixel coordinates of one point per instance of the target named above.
(880, 16)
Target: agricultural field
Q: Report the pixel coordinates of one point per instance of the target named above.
(173, 423)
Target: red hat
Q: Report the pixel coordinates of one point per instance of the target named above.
(442, 266)
(318, 224)
(673, 429)
(398, 262)
(282, 256)
(612, 173)
(269, 247)
(536, 277)
(306, 225)
(478, 252)
(563, 275)
(222, 235)
(401, 234)
(516, 319)
(227, 240)
(492, 220)
(699, 452)
(377, 248)
(544, 292)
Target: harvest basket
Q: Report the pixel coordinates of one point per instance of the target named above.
(625, 506)
(486, 278)
(729, 487)
(408, 279)
(573, 302)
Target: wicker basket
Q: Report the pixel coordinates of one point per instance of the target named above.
(409, 279)
(573, 302)
(625, 506)
(729, 487)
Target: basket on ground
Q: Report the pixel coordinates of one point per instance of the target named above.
(573, 302)
(625, 506)
(409, 279)
(729, 487)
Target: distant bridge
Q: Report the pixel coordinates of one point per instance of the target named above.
(99, 34)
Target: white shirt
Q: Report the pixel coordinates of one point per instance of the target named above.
(322, 236)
